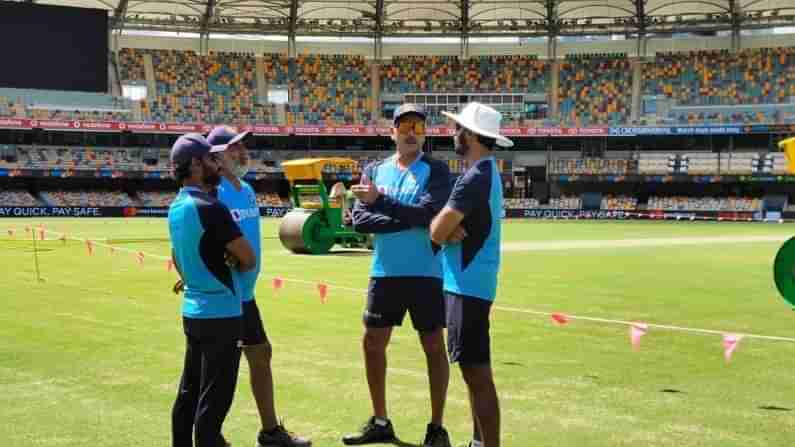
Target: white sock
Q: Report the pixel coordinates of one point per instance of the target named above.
(475, 444)
(381, 422)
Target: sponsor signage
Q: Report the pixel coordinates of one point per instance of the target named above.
(78, 211)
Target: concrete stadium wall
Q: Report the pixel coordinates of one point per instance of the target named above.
(403, 49)
(539, 50)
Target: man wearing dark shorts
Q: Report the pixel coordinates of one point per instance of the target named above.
(241, 200)
(210, 253)
(398, 197)
(471, 265)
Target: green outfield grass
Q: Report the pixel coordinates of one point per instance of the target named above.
(92, 356)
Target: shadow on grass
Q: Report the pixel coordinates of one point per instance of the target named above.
(672, 391)
(774, 408)
(400, 443)
(352, 253)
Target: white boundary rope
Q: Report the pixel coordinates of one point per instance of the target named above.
(64, 237)
(580, 317)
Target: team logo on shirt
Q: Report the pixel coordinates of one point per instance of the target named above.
(239, 214)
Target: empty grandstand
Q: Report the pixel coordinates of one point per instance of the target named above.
(678, 114)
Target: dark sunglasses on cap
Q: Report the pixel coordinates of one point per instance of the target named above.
(405, 127)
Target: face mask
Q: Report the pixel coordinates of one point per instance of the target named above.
(240, 169)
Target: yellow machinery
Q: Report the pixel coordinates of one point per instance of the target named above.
(316, 222)
(788, 146)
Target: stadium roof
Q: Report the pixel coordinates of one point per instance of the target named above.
(442, 18)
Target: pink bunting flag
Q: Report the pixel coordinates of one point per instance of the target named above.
(322, 290)
(637, 330)
(730, 343)
(170, 265)
(560, 318)
(90, 246)
(41, 234)
(278, 283)
(140, 258)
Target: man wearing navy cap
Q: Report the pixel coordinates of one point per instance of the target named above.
(241, 200)
(210, 253)
(397, 199)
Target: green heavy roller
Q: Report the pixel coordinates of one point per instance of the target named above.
(317, 222)
(784, 265)
(784, 271)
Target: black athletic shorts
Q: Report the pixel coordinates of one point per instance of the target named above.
(253, 329)
(468, 341)
(388, 300)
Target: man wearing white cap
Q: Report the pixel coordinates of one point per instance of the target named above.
(471, 265)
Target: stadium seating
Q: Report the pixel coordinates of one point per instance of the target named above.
(738, 163)
(773, 163)
(334, 90)
(682, 203)
(181, 85)
(720, 77)
(626, 203)
(484, 74)
(699, 163)
(703, 87)
(63, 105)
(271, 199)
(730, 116)
(510, 203)
(566, 202)
(156, 198)
(87, 198)
(590, 166)
(18, 198)
(131, 65)
(656, 163)
(231, 86)
(595, 90)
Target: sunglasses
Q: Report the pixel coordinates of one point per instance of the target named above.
(405, 127)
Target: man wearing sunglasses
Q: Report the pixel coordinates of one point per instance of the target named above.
(397, 199)
(471, 265)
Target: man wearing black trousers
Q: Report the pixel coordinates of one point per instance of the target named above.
(209, 252)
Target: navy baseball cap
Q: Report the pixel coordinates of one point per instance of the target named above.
(190, 146)
(406, 109)
(225, 135)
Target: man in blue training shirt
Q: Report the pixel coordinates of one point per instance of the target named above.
(398, 198)
(241, 200)
(209, 253)
(471, 266)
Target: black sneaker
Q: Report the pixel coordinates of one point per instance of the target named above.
(280, 437)
(371, 433)
(436, 436)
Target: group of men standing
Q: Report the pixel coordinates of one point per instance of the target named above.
(436, 257)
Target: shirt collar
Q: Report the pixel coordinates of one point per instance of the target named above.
(186, 189)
